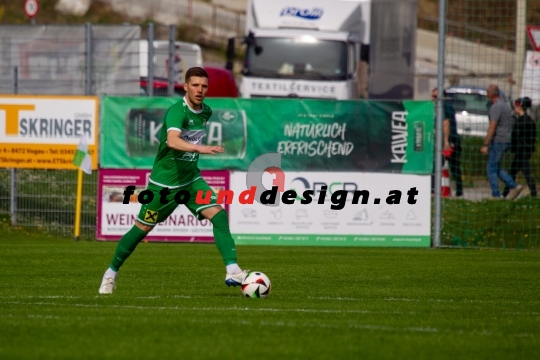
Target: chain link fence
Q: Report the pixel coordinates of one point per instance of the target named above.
(486, 47)
(72, 60)
(69, 60)
(481, 40)
(214, 24)
(45, 200)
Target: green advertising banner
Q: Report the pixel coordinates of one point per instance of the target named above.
(333, 240)
(311, 135)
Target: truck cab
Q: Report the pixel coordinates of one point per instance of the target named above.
(301, 65)
(328, 49)
(304, 49)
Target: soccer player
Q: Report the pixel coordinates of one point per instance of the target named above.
(175, 174)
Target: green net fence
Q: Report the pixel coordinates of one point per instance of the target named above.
(491, 91)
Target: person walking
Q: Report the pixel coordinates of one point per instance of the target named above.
(523, 144)
(497, 143)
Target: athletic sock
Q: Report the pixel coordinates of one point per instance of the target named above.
(223, 238)
(126, 246)
(110, 273)
(233, 269)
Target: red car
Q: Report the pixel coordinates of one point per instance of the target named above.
(221, 83)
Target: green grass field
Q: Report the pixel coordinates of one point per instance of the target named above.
(326, 303)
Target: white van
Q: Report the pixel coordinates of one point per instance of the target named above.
(186, 55)
(472, 108)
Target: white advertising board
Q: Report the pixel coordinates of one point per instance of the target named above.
(384, 220)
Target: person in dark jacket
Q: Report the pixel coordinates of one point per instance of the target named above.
(523, 144)
(451, 144)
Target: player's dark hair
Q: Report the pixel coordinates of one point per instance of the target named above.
(195, 71)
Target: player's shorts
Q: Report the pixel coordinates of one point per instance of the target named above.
(155, 212)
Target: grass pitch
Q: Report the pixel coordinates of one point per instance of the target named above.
(326, 303)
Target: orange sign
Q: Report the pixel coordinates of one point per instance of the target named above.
(42, 132)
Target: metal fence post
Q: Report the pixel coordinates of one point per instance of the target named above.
(190, 12)
(172, 46)
(13, 191)
(238, 24)
(16, 80)
(214, 20)
(521, 23)
(88, 35)
(438, 125)
(13, 197)
(150, 80)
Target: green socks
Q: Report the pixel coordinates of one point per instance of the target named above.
(126, 246)
(222, 237)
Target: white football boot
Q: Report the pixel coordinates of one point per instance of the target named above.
(108, 285)
(236, 279)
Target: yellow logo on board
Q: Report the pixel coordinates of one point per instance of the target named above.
(12, 116)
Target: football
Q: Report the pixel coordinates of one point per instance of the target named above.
(256, 285)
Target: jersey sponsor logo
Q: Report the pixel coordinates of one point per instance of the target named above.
(193, 136)
(188, 157)
(193, 139)
(151, 216)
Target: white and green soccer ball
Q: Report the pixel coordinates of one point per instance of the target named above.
(256, 285)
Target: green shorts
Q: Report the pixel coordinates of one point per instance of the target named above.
(155, 212)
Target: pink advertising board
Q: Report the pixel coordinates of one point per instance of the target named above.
(115, 218)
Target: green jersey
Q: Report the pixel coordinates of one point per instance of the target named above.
(174, 168)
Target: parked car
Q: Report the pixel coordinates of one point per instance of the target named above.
(472, 108)
(221, 83)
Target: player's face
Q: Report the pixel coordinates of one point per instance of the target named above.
(196, 90)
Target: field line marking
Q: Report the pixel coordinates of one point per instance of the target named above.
(350, 325)
(39, 296)
(263, 323)
(189, 308)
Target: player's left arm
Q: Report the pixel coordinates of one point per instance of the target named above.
(494, 116)
(175, 121)
(174, 141)
(490, 133)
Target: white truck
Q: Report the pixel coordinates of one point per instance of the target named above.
(329, 49)
(186, 55)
